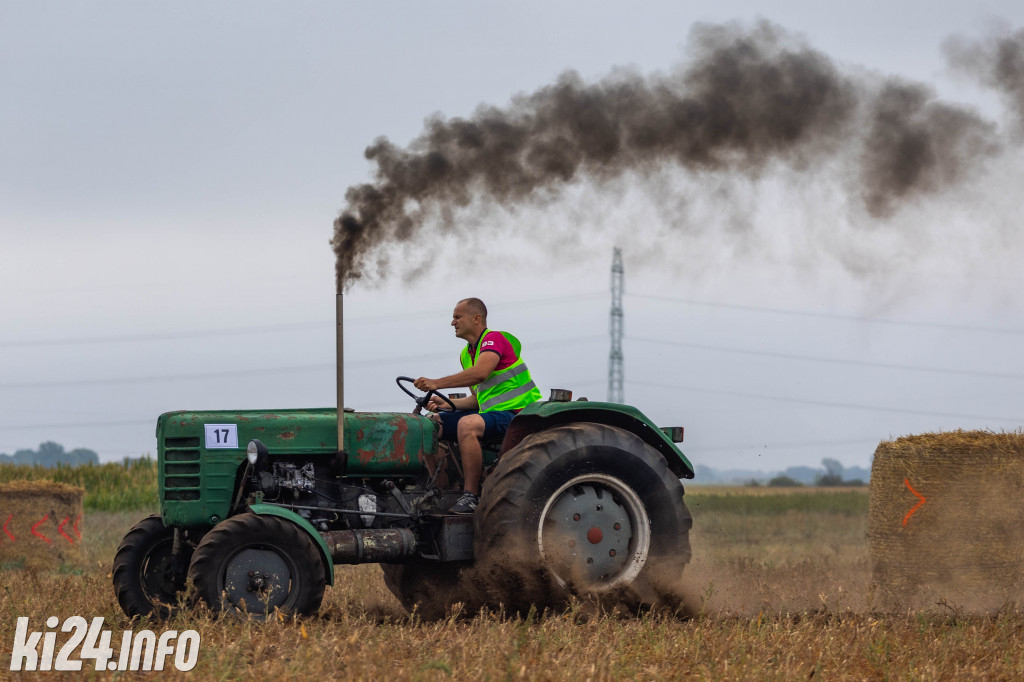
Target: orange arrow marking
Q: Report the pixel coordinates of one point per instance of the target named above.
(5, 527)
(917, 506)
(60, 529)
(37, 533)
(74, 526)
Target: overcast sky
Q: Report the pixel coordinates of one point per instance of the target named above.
(170, 173)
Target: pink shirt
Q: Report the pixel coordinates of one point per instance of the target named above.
(495, 342)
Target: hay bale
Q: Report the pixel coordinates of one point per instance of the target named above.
(40, 525)
(946, 519)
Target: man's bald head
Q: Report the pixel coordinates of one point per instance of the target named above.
(475, 307)
(469, 319)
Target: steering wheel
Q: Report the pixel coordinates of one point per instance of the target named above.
(421, 401)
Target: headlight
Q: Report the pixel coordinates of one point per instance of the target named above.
(255, 451)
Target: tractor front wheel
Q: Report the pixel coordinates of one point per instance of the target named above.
(143, 572)
(254, 565)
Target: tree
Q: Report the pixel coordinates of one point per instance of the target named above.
(51, 454)
(833, 473)
(803, 474)
(80, 456)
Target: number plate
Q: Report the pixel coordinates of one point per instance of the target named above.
(221, 436)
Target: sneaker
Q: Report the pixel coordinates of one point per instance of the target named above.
(465, 505)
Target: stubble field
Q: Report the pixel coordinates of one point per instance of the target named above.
(780, 586)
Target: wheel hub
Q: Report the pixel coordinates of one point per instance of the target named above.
(258, 582)
(594, 532)
(257, 574)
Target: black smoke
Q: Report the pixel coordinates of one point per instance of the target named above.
(745, 99)
(998, 63)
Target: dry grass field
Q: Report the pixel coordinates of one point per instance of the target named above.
(780, 585)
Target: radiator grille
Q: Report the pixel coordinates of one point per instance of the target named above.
(181, 469)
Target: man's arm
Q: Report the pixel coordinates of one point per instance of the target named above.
(480, 370)
(468, 403)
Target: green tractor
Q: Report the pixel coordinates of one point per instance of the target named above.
(579, 499)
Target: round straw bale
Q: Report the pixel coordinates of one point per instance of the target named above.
(41, 525)
(946, 520)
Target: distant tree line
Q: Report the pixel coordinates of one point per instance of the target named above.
(51, 454)
(833, 475)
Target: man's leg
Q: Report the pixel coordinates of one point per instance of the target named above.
(446, 423)
(432, 460)
(471, 430)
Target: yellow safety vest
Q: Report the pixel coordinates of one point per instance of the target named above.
(510, 388)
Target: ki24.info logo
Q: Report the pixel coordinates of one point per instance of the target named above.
(144, 650)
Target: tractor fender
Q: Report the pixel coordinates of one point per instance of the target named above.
(545, 415)
(273, 510)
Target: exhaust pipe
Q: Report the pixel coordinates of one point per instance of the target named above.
(340, 345)
(370, 546)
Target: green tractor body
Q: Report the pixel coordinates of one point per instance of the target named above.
(256, 507)
(199, 475)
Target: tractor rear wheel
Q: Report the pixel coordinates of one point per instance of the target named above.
(584, 510)
(143, 570)
(254, 565)
(429, 587)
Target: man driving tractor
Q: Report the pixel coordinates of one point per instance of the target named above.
(500, 386)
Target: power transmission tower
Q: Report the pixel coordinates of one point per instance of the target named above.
(615, 393)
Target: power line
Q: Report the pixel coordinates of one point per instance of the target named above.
(168, 377)
(833, 360)
(265, 371)
(792, 444)
(269, 328)
(832, 316)
(826, 403)
(324, 324)
(166, 336)
(81, 425)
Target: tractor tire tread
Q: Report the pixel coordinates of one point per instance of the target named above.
(131, 553)
(501, 546)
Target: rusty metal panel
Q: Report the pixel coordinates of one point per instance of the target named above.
(387, 443)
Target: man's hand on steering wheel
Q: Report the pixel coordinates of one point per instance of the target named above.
(432, 394)
(436, 404)
(425, 384)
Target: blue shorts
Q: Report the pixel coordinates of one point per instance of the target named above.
(495, 423)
